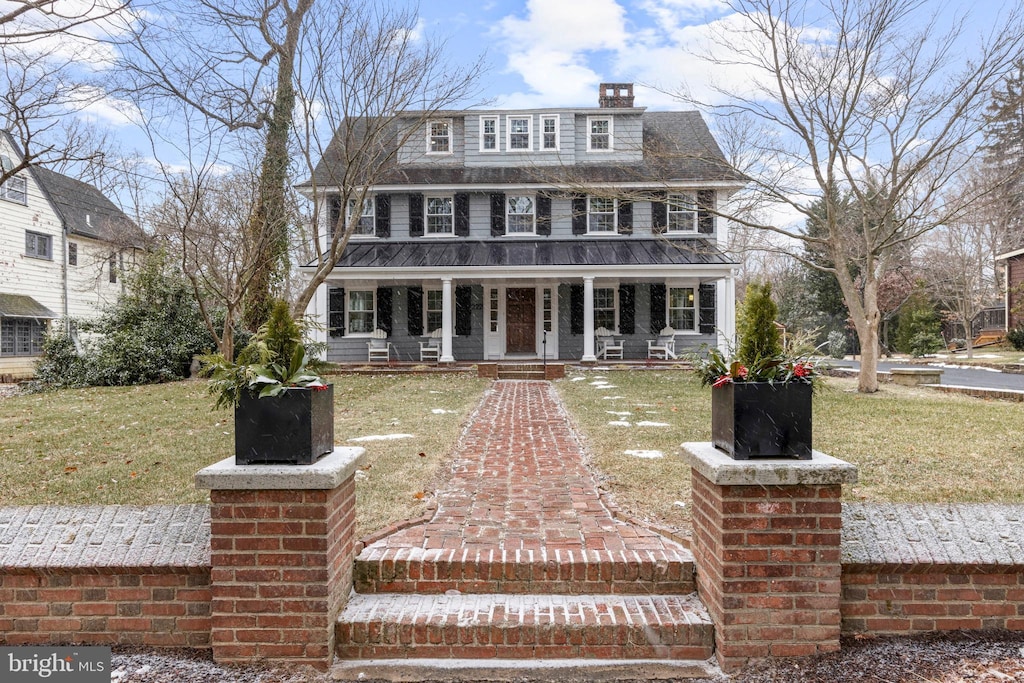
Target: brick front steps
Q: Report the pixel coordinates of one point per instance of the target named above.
(524, 627)
(570, 572)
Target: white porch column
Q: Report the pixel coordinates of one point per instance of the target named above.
(588, 321)
(446, 321)
(727, 313)
(316, 310)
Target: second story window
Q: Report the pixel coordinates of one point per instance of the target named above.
(599, 134)
(549, 132)
(439, 137)
(366, 224)
(38, 245)
(682, 213)
(440, 216)
(519, 133)
(521, 217)
(601, 215)
(72, 254)
(488, 133)
(15, 189)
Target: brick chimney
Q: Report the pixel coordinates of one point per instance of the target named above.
(616, 95)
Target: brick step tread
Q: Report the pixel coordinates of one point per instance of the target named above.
(517, 670)
(517, 374)
(576, 572)
(524, 626)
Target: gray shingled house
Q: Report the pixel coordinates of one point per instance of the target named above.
(513, 234)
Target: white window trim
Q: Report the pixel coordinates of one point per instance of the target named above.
(426, 310)
(668, 213)
(533, 199)
(611, 133)
(508, 133)
(695, 286)
(348, 310)
(6, 188)
(497, 135)
(451, 137)
(372, 201)
(615, 217)
(558, 133)
(426, 216)
(615, 298)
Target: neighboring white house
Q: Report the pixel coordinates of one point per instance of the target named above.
(520, 233)
(63, 248)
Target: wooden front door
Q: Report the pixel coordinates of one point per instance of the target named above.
(521, 321)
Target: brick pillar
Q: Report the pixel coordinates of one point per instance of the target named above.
(766, 535)
(282, 541)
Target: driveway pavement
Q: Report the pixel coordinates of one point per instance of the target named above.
(962, 376)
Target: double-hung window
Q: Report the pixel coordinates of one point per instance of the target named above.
(15, 189)
(72, 253)
(549, 132)
(682, 213)
(599, 133)
(433, 310)
(604, 308)
(519, 133)
(601, 214)
(439, 137)
(488, 133)
(440, 217)
(365, 217)
(521, 215)
(682, 308)
(38, 245)
(361, 313)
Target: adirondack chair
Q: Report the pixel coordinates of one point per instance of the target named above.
(664, 347)
(607, 346)
(379, 348)
(430, 350)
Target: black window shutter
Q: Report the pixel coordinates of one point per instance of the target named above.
(576, 309)
(543, 214)
(462, 214)
(658, 302)
(625, 217)
(336, 311)
(415, 215)
(497, 214)
(659, 213)
(464, 310)
(384, 309)
(705, 205)
(414, 307)
(707, 299)
(333, 215)
(383, 222)
(627, 309)
(579, 217)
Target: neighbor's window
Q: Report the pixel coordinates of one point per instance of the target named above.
(433, 310)
(15, 189)
(682, 308)
(488, 133)
(549, 132)
(21, 336)
(440, 216)
(682, 213)
(72, 254)
(38, 245)
(112, 267)
(600, 133)
(439, 137)
(601, 214)
(366, 224)
(519, 133)
(520, 216)
(361, 312)
(604, 308)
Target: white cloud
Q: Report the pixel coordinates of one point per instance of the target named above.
(92, 103)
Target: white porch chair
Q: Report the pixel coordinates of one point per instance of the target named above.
(607, 346)
(379, 348)
(664, 347)
(430, 350)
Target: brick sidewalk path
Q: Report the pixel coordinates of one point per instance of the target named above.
(521, 495)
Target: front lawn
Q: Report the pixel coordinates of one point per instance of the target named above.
(910, 445)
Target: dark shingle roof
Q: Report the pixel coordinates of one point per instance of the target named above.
(86, 211)
(677, 147)
(482, 254)
(22, 306)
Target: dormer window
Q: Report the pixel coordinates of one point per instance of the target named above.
(599, 134)
(520, 133)
(439, 137)
(488, 133)
(549, 132)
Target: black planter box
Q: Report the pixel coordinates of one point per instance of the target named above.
(758, 419)
(293, 428)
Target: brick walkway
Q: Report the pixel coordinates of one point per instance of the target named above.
(521, 507)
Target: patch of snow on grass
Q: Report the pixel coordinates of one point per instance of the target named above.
(578, 379)
(442, 411)
(618, 412)
(382, 437)
(649, 455)
(612, 398)
(646, 423)
(619, 423)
